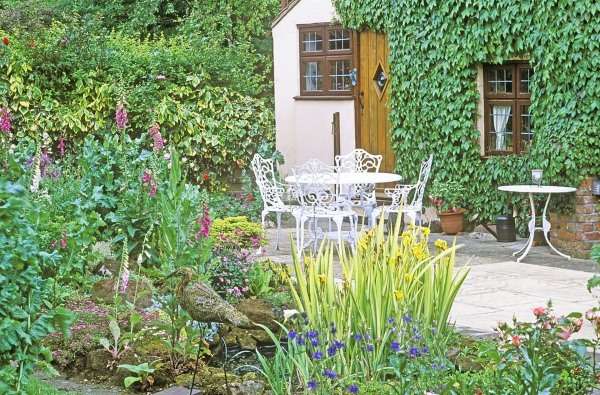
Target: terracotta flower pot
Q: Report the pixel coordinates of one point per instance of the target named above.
(452, 221)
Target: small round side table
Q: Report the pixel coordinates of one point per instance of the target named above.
(532, 190)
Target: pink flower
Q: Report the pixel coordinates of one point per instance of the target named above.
(539, 311)
(154, 132)
(63, 241)
(153, 190)
(61, 146)
(565, 334)
(146, 177)
(5, 120)
(121, 117)
(205, 222)
(516, 341)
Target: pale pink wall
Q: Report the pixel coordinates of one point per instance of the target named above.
(303, 127)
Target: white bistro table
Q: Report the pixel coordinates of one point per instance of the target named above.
(533, 190)
(349, 178)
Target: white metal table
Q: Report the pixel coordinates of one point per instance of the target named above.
(349, 178)
(532, 190)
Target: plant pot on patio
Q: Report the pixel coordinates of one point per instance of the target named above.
(453, 222)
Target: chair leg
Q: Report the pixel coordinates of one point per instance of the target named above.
(264, 217)
(338, 222)
(278, 230)
(300, 236)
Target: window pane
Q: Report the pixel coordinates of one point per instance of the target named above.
(312, 42)
(339, 40)
(500, 80)
(340, 75)
(524, 79)
(313, 77)
(526, 127)
(501, 128)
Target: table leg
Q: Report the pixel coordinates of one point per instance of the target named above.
(546, 228)
(532, 228)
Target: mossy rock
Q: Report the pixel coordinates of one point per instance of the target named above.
(246, 339)
(259, 311)
(103, 291)
(210, 379)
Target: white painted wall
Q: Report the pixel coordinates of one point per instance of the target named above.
(303, 127)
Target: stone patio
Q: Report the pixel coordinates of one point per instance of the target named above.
(497, 287)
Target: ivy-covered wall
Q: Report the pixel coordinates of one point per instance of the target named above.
(435, 46)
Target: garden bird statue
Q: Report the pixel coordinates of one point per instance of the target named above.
(203, 304)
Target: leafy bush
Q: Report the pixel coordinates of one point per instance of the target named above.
(26, 314)
(237, 233)
(447, 195)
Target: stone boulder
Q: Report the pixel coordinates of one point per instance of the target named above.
(260, 312)
(103, 291)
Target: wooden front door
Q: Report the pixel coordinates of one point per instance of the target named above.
(373, 125)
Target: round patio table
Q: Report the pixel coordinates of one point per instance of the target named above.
(345, 178)
(532, 190)
(348, 178)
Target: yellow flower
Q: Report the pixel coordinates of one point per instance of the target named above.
(441, 244)
(426, 231)
(399, 295)
(408, 277)
(407, 237)
(419, 252)
(322, 278)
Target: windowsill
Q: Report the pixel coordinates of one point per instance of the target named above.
(334, 97)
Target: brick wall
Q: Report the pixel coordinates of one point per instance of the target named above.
(576, 233)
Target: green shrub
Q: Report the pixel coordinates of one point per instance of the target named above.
(237, 233)
(26, 314)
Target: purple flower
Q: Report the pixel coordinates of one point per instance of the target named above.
(352, 389)
(311, 385)
(425, 350)
(391, 320)
(330, 374)
(317, 355)
(5, 120)
(312, 334)
(370, 347)
(292, 334)
(395, 346)
(61, 146)
(407, 319)
(300, 340)
(333, 329)
(338, 344)
(158, 142)
(331, 350)
(358, 337)
(124, 280)
(414, 352)
(314, 341)
(121, 117)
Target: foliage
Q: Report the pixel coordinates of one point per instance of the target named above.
(447, 196)
(260, 277)
(434, 50)
(236, 233)
(67, 78)
(143, 374)
(26, 314)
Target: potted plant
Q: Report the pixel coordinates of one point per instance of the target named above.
(447, 197)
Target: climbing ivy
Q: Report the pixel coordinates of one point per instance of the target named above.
(435, 47)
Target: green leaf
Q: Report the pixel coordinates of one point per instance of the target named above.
(129, 380)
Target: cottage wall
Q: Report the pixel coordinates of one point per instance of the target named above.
(303, 127)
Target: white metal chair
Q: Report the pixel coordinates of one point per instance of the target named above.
(317, 193)
(360, 161)
(408, 199)
(271, 191)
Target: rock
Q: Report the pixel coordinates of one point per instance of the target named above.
(259, 312)
(97, 360)
(104, 290)
(249, 387)
(210, 379)
(246, 339)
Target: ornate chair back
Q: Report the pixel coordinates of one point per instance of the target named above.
(264, 172)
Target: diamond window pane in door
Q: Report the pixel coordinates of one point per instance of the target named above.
(381, 80)
(501, 130)
(500, 80)
(526, 127)
(340, 75)
(313, 77)
(525, 76)
(339, 40)
(312, 42)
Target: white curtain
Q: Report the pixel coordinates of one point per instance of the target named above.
(501, 115)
